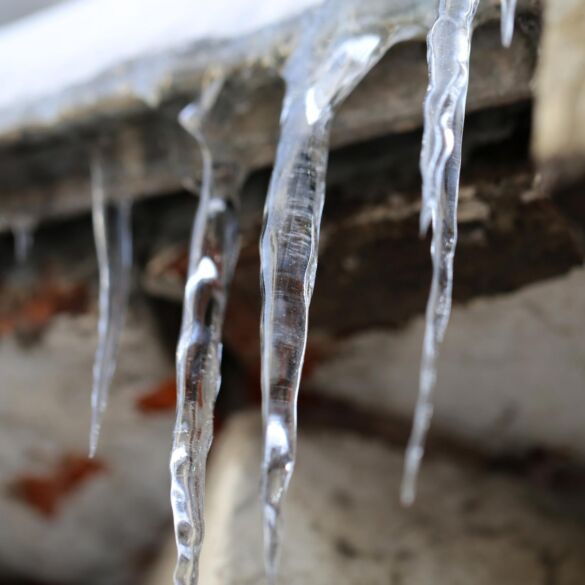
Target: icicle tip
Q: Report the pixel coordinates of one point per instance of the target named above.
(93, 445)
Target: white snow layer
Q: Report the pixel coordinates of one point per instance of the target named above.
(73, 42)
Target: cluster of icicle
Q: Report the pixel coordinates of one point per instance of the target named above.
(335, 51)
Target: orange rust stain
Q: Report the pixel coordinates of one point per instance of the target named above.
(35, 311)
(161, 398)
(164, 397)
(180, 263)
(171, 262)
(45, 493)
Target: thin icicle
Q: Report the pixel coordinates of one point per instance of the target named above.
(508, 8)
(332, 57)
(212, 259)
(113, 240)
(23, 232)
(449, 44)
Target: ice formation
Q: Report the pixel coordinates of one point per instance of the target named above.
(212, 258)
(335, 52)
(112, 227)
(23, 232)
(449, 45)
(507, 21)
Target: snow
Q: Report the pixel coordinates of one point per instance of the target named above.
(71, 43)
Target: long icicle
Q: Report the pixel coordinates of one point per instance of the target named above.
(212, 259)
(113, 240)
(330, 60)
(508, 8)
(449, 45)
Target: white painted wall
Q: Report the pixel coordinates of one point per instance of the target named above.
(511, 369)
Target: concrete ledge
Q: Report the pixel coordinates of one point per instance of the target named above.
(44, 143)
(345, 525)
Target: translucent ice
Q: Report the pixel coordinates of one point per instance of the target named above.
(212, 259)
(507, 22)
(113, 240)
(336, 50)
(449, 44)
(23, 231)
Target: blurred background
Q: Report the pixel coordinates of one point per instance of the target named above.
(501, 492)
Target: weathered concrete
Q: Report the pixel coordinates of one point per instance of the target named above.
(66, 519)
(559, 122)
(511, 373)
(44, 145)
(560, 87)
(346, 526)
(374, 269)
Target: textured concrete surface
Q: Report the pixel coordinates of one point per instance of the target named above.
(66, 519)
(511, 369)
(345, 525)
(560, 88)
(559, 120)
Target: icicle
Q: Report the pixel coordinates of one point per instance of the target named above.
(332, 57)
(507, 21)
(212, 259)
(449, 43)
(113, 240)
(23, 231)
